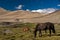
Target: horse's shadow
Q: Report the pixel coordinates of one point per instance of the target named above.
(58, 34)
(54, 35)
(47, 35)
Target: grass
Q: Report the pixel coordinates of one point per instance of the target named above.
(19, 34)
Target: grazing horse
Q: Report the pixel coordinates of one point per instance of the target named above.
(44, 26)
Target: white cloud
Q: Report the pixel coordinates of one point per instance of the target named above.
(48, 10)
(27, 10)
(58, 5)
(19, 7)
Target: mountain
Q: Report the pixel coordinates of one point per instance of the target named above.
(27, 16)
(52, 17)
(11, 16)
(3, 11)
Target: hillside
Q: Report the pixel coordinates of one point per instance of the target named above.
(18, 14)
(3, 11)
(53, 17)
(27, 16)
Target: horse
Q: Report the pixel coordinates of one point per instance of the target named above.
(44, 26)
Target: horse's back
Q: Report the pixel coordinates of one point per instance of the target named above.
(45, 25)
(41, 26)
(49, 23)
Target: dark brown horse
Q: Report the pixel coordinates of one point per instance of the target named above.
(44, 26)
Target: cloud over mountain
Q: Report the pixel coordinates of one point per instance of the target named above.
(48, 10)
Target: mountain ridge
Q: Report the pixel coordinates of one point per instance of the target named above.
(27, 16)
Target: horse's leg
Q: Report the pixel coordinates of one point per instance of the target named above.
(53, 29)
(45, 31)
(40, 33)
(35, 33)
(50, 32)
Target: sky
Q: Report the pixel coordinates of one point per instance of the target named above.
(30, 5)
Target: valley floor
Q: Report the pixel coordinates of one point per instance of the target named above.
(19, 34)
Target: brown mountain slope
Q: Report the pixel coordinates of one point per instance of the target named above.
(53, 17)
(3, 11)
(27, 16)
(19, 14)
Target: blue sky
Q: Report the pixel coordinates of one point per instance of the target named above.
(29, 4)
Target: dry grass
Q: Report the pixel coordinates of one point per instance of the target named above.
(19, 34)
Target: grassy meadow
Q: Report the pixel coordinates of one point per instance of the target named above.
(19, 34)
